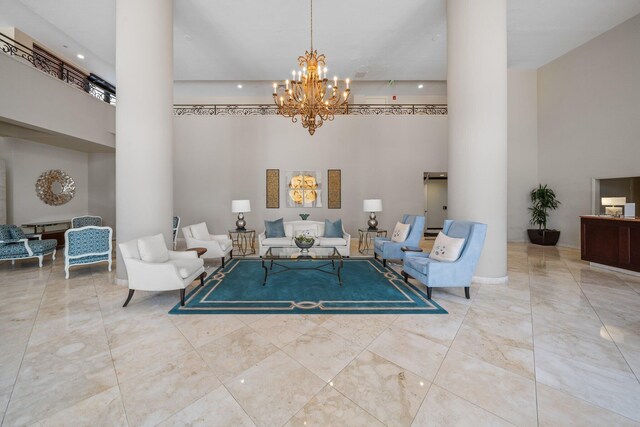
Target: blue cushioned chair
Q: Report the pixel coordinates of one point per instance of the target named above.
(83, 221)
(14, 245)
(176, 224)
(384, 248)
(87, 245)
(436, 274)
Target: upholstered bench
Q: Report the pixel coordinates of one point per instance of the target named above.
(14, 245)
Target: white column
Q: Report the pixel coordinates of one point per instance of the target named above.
(144, 120)
(477, 98)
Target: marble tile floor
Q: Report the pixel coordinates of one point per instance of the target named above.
(559, 345)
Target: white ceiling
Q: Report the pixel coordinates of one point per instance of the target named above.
(242, 40)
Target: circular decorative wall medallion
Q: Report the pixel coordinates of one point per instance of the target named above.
(55, 187)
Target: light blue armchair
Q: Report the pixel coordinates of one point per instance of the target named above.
(87, 245)
(386, 249)
(436, 274)
(83, 221)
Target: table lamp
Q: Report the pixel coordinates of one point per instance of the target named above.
(610, 204)
(240, 207)
(372, 206)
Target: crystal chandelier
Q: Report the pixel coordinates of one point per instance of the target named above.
(309, 94)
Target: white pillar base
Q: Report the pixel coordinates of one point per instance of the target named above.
(490, 280)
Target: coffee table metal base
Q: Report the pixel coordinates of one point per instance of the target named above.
(334, 271)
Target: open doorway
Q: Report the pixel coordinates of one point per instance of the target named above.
(435, 202)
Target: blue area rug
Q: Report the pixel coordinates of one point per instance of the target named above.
(368, 288)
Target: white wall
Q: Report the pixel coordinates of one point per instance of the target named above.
(34, 99)
(522, 130)
(589, 121)
(25, 162)
(218, 159)
(102, 187)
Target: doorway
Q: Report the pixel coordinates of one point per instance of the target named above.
(435, 202)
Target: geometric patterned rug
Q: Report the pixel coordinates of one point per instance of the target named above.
(368, 288)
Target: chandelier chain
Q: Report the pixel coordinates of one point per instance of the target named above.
(311, 25)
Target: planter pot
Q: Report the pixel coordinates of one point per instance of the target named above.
(543, 237)
(304, 246)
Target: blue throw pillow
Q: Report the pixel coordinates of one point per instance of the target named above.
(17, 233)
(332, 229)
(274, 228)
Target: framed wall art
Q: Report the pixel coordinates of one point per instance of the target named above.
(334, 188)
(303, 189)
(273, 188)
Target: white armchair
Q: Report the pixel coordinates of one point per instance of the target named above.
(152, 267)
(217, 245)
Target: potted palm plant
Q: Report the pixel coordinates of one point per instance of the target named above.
(543, 200)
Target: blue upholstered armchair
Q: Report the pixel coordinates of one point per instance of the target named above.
(436, 274)
(386, 249)
(14, 244)
(83, 221)
(176, 224)
(87, 245)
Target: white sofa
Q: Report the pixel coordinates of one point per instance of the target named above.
(316, 228)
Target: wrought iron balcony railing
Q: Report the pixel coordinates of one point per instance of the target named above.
(55, 67)
(272, 109)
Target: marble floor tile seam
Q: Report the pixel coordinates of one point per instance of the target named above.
(610, 335)
(470, 402)
(472, 356)
(33, 322)
(346, 397)
(104, 330)
(533, 344)
(586, 402)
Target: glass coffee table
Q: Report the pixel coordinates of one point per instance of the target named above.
(284, 257)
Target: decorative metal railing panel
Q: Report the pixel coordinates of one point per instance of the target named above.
(54, 67)
(272, 110)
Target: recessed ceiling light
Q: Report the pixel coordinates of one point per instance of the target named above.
(239, 86)
(420, 86)
(81, 56)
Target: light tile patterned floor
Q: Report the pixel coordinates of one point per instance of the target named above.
(559, 345)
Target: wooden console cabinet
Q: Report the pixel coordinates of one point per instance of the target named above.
(611, 241)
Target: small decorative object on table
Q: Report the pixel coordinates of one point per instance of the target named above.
(304, 242)
(304, 216)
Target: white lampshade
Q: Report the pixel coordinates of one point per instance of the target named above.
(613, 201)
(372, 205)
(238, 206)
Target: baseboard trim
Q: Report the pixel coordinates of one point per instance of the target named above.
(490, 280)
(616, 269)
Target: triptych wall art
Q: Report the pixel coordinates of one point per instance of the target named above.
(303, 189)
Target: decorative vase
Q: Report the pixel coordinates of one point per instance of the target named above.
(304, 246)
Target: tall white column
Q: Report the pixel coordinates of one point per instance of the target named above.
(144, 120)
(477, 98)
